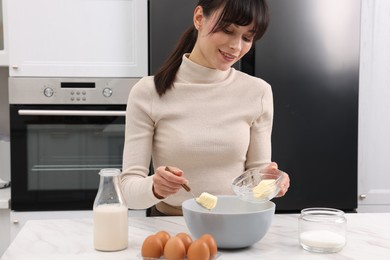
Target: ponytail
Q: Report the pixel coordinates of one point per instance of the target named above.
(166, 75)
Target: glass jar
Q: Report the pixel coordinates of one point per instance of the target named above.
(110, 224)
(322, 230)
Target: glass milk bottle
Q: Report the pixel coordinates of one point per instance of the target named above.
(110, 225)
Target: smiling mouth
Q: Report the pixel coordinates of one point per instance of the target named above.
(227, 55)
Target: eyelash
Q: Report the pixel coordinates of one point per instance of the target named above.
(227, 31)
(247, 39)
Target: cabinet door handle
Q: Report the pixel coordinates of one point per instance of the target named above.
(363, 196)
(15, 221)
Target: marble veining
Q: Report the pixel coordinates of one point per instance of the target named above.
(368, 237)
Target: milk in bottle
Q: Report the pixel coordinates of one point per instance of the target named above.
(110, 227)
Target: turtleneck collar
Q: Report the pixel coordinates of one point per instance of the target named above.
(191, 72)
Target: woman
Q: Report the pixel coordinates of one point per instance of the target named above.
(205, 120)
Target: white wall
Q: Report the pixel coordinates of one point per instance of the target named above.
(374, 107)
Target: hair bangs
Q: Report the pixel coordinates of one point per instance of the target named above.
(243, 13)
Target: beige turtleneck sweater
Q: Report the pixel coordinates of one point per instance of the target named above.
(212, 124)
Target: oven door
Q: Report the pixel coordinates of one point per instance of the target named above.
(58, 150)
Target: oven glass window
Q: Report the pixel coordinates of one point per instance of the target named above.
(69, 156)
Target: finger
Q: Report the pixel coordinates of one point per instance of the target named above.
(286, 180)
(271, 167)
(284, 186)
(172, 176)
(283, 190)
(162, 188)
(166, 182)
(175, 175)
(173, 170)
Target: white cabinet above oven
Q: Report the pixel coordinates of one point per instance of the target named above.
(78, 38)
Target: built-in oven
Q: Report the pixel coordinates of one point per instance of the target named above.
(62, 132)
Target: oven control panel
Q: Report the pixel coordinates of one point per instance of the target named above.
(70, 90)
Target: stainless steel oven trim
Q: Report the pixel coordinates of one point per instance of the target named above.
(107, 91)
(38, 112)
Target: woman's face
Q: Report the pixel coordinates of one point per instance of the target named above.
(219, 50)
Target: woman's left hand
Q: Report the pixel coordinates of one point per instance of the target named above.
(285, 184)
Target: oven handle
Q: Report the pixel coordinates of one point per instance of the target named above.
(32, 112)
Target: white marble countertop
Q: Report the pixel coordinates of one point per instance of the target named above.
(5, 196)
(368, 238)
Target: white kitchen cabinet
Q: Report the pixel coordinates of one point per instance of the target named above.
(78, 38)
(374, 108)
(19, 218)
(3, 33)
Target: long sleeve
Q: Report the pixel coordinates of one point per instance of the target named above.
(136, 184)
(259, 151)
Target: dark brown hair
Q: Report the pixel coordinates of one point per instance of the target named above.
(239, 12)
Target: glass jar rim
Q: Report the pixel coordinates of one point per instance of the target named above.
(322, 214)
(319, 210)
(109, 172)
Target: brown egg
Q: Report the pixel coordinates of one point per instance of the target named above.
(198, 250)
(187, 240)
(164, 236)
(174, 248)
(152, 247)
(209, 239)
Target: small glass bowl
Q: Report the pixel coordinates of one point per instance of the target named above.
(247, 186)
(322, 230)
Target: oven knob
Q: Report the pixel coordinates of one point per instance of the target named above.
(107, 92)
(48, 92)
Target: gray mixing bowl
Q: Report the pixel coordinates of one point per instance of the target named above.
(233, 223)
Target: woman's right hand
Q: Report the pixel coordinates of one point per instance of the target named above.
(166, 183)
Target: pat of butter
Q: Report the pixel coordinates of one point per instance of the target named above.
(263, 189)
(207, 200)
